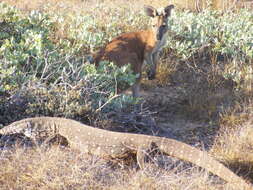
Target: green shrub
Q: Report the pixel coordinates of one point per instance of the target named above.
(82, 92)
(90, 30)
(24, 43)
(47, 77)
(228, 34)
(226, 38)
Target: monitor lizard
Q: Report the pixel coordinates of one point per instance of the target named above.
(109, 144)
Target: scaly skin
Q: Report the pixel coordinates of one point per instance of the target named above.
(117, 145)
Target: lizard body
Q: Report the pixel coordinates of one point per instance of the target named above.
(116, 145)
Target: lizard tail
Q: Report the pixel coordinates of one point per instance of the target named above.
(188, 153)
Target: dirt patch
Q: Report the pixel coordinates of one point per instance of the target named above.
(167, 103)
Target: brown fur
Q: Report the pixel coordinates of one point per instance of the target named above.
(129, 48)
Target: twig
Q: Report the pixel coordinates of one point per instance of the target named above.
(115, 96)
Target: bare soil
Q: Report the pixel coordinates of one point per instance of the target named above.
(167, 103)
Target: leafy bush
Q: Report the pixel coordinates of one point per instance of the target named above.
(88, 31)
(226, 38)
(229, 34)
(47, 77)
(24, 43)
(82, 92)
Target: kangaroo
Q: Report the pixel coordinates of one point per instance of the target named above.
(136, 47)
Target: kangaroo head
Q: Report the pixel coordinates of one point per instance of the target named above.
(160, 28)
(159, 19)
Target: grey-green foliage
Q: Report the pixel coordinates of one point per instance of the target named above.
(24, 43)
(82, 91)
(84, 30)
(105, 81)
(89, 31)
(229, 33)
(29, 59)
(194, 29)
(237, 35)
(99, 84)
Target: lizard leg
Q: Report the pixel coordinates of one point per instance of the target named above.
(144, 151)
(151, 150)
(57, 140)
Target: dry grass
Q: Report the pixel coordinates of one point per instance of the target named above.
(165, 69)
(214, 4)
(234, 143)
(67, 169)
(80, 6)
(234, 147)
(238, 115)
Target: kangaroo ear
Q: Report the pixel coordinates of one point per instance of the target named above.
(150, 11)
(168, 10)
